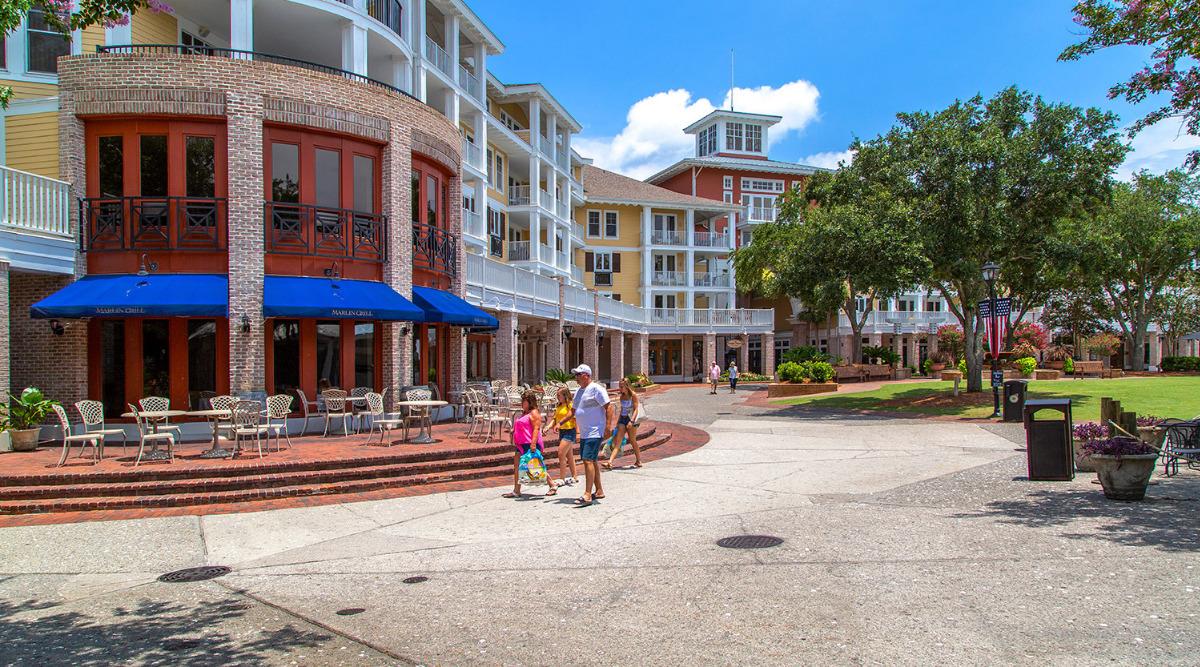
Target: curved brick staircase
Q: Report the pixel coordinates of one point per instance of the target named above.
(181, 484)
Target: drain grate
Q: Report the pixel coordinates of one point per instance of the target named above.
(350, 611)
(750, 541)
(195, 574)
(415, 580)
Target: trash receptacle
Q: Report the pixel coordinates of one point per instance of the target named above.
(1014, 399)
(1048, 441)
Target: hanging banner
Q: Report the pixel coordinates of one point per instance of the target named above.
(996, 325)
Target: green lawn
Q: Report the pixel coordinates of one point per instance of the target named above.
(1163, 397)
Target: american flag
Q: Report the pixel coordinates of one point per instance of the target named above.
(996, 327)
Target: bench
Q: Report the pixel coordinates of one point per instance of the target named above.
(1084, 368)
(848, 373)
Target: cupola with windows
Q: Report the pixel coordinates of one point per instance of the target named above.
(732, 134)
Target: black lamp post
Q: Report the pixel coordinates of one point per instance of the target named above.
(991, 271)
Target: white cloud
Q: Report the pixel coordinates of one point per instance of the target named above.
(828, 160)
(653, 136)
(1158, 148)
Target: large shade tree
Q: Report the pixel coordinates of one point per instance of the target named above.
(1137, 248)
(66, 16)
(984, 180)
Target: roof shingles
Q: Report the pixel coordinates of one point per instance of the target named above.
(602, 185)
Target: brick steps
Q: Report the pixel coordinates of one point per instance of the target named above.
(201, 488)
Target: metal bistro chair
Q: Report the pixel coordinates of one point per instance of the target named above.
(307, 407)
(279, 407)
(1182, 443)
(224, 402)
(158, 404)
(380, 421)
(359, 409)
(335, 408)
(91, 413)
(247, 423)
(147, 434)
(409, 414)
(96, 440)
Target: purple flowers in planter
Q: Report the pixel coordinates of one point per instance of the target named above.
(1148, 420)
(1089, 432)
(1118, 446)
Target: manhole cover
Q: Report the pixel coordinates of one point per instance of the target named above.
(415, 580)
(750, 541)
(351, 611)
(195, 574)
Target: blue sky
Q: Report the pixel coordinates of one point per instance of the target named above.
(635, 73)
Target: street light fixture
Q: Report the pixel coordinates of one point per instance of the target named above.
(991, 272)
(567, 331)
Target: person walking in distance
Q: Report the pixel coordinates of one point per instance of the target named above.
(714, 376)
(733, 377)
(564, 420)
(593, 421)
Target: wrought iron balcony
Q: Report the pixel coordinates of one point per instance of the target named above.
(435, 249)
(304, 229)
(152, 223)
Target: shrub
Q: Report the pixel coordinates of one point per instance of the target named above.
(1023, 351)
(1057, 353)
(927, 367)
(1026, 365)
(1180, 364)
(791, 371)
(557, 375)
(820, 371)
(962, 367)
(1102, 344)
(808, 371)
(1032, 334)
(878, 352)
(1068, 365)
(1117, 446)
(950, 339)
(639, 380)
(804, 353)
(29, 409)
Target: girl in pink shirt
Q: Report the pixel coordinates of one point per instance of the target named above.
(527, 433)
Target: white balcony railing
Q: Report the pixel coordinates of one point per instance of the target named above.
(472, 154)
(577, 274)
(518, 251)
(34, 203)
(668, 279)
(666, 237)
(710, 239)
(577, 231)
(563, 159)
(469, 82)
(716, 317)
(546, 146)
(563, 210)
(435, 54)
(545, 253)
(910, 321)
(761, 213)
(544, 200)
(473, 224)
(562, 260)
(518, 195)
(712, 280)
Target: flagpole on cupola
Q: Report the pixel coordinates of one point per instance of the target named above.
(731, 79)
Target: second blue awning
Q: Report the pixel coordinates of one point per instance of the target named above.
(335, 298)
(154, 295)
(444, 307)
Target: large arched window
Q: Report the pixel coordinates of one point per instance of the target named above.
(435, 249)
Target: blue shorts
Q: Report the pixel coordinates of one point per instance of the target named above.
(567, 434)
(622, 420)
(589, 449)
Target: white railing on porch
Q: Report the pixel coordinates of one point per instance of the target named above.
(668, 279)
(469, 82)
(518, 195)
(473, 154)
(34, 203)
(473, 223)
(666, 237)
(710, 240)
(518, 251)
(711, 280)
(761, 213)
(438, 56)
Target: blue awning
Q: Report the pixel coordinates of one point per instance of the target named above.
(447, 308)
(335, 298)
(155, 295)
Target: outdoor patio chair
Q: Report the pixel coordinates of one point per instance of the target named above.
(247, 423)
(157, 404)
(91, 414)
(223, 402)
(1182, 443)
(410, 415)
(147, 434)
(488, 419)
(279, 407)
(335, 408)
(359, 409)
(204, 400)
(96, 440)
(380, 421)
(307, 407)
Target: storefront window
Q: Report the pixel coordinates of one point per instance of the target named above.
(433, 376)
(285, 172)
(329, 354)
(156, 358)
(112, 367)
(416, 357)
(200, 167)
(364, 184)
(202, 359)
(286, 355)
(154, 165)
(328, 171)
(112, 167)
(364, 354)
(416, 197)
(431, 197)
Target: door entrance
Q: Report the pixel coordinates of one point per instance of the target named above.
(666, 357)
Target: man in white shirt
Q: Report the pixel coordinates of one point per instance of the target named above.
(593, 422)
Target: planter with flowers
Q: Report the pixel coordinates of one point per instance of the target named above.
(802, 379)
(1123, 466)
(1085, 433)
(25, 416)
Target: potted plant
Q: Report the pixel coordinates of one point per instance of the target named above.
(25, 416)
(1123, 466)
(1084, 433)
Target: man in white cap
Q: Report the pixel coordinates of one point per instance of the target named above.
(593, 421)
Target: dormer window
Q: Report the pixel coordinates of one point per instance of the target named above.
(706, 141)
(754, 138)
(733, 136)
(743, 137)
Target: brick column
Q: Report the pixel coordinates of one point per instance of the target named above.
(555, 354)
(768, 353)
(743, 354)
(641, 353)
(506, 348)
(710, 352)
(5, 372)
(591, 347)
(396, 174)
(247, 369)
(686, 361)
(799, 334)
(616, 354)
(1155, 341)
(457, 348)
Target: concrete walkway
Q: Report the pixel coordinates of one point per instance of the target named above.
(905, 542)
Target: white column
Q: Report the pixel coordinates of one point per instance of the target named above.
(690, 297)
(535, 122)
(452, 29)
(647, 257)
(354, 48)
(551, 131)
(479, 127)
(402, 73)
(241, 25)
(418, 47)
(690, 227)
(535, 176)
(535, 234)
(452, 102)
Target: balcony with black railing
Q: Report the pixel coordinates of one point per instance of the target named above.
(316, 231)
(435, 250)
(152, 223)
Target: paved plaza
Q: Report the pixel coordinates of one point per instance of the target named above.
(906, 541)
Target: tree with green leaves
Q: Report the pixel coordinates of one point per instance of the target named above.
(985, 180)
(1076, 312)
(830, 254)
(1178, 311)
(1172, 29)
(1141, 244)
(67, 16)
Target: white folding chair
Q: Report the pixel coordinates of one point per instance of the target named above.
(96, 440)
